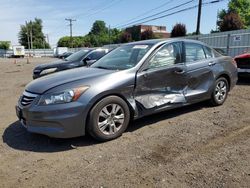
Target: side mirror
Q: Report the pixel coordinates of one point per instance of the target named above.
(89, 61)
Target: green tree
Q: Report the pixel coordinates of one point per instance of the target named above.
(241, 7)
(77, 42)
(125, 37)
(147, 34)
(99, 35)
(231, 21)
(5, 45)
(115, 35)
(99, 28)
(179, 30)
(33, 28)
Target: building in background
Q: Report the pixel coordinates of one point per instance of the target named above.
(136, 31)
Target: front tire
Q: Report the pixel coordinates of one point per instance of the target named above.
(108, 119)
(220, 92)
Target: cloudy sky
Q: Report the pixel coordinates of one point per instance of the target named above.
(14, 13)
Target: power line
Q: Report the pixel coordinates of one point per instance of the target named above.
(113, 2)
(108, 6)
(179, 11)
(146, 12)
(102, 8)
(156, 14)
(93, 8)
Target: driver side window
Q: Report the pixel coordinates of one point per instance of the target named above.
(166, 56)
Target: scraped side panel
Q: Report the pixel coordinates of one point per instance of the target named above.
(159, 99)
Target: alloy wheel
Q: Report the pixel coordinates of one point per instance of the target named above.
(220, 91)
(111, 119)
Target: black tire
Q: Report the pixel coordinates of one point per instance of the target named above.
(94, 118)
(214, 101)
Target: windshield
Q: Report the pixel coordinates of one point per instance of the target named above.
(77, 56)
(123, 57)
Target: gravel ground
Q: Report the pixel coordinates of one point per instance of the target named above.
(194, 146)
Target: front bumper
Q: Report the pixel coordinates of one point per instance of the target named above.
(60, 120)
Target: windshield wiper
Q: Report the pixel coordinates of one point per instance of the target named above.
(101, 67)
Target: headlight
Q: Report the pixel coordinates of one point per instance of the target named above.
(66, 96)
(47, 71)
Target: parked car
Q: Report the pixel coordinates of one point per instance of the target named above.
(132, 81)
(59, 51)
(65, 55)
(18, 51)
(243, 64)
(84, 57)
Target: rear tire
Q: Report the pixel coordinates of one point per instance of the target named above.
(220, 92)
(108, 119)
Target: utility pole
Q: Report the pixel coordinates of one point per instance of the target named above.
(70, 25)
(109, 36)
(47, 35)
(199, 18)
(27, 33)
(31, 38)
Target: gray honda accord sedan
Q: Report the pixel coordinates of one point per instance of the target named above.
(132, 81)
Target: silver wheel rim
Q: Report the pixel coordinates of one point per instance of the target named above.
(111, 119)
(220, 91)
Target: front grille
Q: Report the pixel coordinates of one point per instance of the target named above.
(27, 98)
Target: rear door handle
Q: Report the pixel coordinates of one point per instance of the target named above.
(179, 71)
(211, 63)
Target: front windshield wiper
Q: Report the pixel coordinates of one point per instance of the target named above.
(101, 67)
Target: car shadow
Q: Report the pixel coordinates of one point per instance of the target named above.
(19, 138)
(16, 137)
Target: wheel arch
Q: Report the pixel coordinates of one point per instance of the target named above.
(227, 77)
(132, 110)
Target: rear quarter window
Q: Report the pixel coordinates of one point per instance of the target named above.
(217, 54)
(208, 51)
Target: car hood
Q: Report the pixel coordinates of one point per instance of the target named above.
(45, 83)
(52, 65)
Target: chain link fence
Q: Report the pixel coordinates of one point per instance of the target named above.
(232, 42)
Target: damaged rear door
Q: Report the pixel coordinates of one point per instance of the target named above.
(161, 82)
(199, 61)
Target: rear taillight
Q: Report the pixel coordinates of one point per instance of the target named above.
(234, 63)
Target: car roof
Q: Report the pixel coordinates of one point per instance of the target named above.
(92, 49)
(156, 41)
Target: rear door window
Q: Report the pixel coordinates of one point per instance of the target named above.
(194, 52)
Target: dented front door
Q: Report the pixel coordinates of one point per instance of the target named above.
(162, 83)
